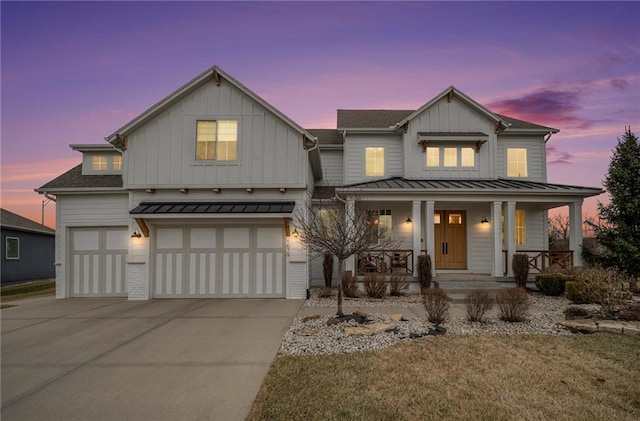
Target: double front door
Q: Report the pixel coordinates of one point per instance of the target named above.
(450, 239)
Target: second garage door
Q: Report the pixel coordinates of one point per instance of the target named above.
(219, 261)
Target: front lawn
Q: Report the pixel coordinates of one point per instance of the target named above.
(493, 377)
(27, 290)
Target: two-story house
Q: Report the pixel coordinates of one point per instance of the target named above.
(196, 196)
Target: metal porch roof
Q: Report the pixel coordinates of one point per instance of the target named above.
(158, 208)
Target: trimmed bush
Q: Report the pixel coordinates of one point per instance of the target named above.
(375, 285)
(398, 283)
(576, 313)
(325, 292)
(550, 283)
(349, 284)
(327, 269)
(424, 270)
(520, 265)
(574, 291)
(478, 302)
(513, 304)
(436, 303)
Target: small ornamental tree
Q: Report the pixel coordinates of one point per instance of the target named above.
(619, 231)
(329, 225)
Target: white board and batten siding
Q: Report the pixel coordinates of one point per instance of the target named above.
(162, 151)
(536, 156)
(219, 261)
(92, 245)
(354, 156)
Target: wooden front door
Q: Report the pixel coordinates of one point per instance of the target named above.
(450, 239)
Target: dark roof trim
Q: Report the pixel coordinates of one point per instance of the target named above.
(13, 221)
(231, 208)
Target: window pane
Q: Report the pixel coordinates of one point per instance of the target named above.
(12, 249)
(450, 157)
(328, 218)
(385, 225)
(455, 219)
(227, 140)
(516, 162)
(467, 157)
(433, 156)
(205, 139)
(117, 162)
(374, 162)
(99, 162)
(520, 228)
(436, 218)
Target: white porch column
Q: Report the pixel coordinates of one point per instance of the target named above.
(496, 239)
(575, 231)
(417, 232)
(510, 234)
(430, 240)
(350, 211)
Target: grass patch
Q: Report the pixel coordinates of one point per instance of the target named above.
(31, 289)
(461, 377)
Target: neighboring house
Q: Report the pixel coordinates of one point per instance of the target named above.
(196, 196)
(28, 249)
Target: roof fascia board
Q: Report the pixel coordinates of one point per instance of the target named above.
(532, 131)
(461, 95)
(369, 129)
(185, 89)
(51, 233)
(92, 148)
(82, 190)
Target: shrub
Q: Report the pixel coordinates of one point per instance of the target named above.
(574, 291)
(436, 303)
(398, 283)
(551, 283)
(605, 287)
(630, 312)
(424, 270)
(576, 313)
(325, 292)
(327, 269)
(478, 302)
(513, 304)
(520, 265)
(349, 284)
(375, 285)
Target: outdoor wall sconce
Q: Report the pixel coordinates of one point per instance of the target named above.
(295, 233)
(484, 220)
(408, 221)
(136, 234)
(216, 190)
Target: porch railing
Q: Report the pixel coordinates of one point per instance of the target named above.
(539, 260)
(385, 261)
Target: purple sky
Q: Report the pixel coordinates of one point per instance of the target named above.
(75, 72)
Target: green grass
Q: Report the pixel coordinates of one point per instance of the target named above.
(471, 377)
(31, 289)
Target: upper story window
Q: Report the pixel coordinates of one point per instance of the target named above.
(99, 163)
(217, 140)
(12, 248)
(516, 162)
(374, 161)
(116, 164)
(452, 157)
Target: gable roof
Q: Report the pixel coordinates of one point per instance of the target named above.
(74, 179)
(371, 118)
(214, 73)
(515, 124)
(19, 223)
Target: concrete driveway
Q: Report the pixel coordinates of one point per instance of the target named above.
(112, 359)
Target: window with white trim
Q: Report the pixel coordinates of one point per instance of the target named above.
(380, 225)
(520, 229)
(374, 161)
(516, 162)
(217, 140)
(328, 220)
(452, 157)
(99, 162)
(116, 164)
(12, 248)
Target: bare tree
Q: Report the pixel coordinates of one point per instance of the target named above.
(329, 226)
(559, 228)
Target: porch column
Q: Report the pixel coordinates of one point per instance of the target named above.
(575, 231)
(510, 234)
(350, 211)
(417, 232)
(430, 240)
(496, 239)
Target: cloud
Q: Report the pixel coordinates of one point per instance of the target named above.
(555, 156)
(546, 106)
(620, 83)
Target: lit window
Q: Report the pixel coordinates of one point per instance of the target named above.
(380, 225)
(99, 163)
(521, 229)
(117, 162)
(327, 220)
(436, 218)
(374, 162)
(433, 156)
(217, 140)
(455, 219)
(516, 162)
(450, 157)
(467, 157)
(12, 248)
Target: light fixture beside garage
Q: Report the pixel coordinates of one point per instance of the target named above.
(136, 234)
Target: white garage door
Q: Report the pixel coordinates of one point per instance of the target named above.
(97, 262)
(219, 261)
